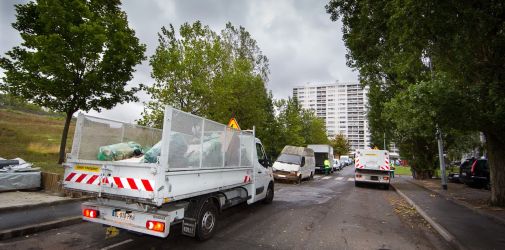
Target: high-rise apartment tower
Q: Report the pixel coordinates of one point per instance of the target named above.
(343, 108)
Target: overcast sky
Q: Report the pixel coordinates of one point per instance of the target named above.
(299, 39)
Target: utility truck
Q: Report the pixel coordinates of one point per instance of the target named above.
(294, 164)
(322, 152)
(146, 179)
(372, 166)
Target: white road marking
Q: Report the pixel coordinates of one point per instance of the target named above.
(326, 177)
(350, 179)
(339, 178)
(118, 244)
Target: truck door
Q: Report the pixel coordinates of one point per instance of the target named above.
(262, 173)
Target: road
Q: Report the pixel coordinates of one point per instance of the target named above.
(326, 213)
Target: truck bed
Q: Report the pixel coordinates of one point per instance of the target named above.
(196, 156)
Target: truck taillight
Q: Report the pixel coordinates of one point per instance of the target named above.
(155, 226)
(90, 213)
(386, 178)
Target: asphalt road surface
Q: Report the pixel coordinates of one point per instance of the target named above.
(325, 213)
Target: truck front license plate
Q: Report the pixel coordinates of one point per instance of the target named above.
(280, 175)
(374, 178)
(123, 214)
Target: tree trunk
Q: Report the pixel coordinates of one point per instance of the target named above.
(496, 157)
(63, 143)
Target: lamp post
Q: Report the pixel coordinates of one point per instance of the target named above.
(441, 157)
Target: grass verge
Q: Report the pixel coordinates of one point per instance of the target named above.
(33, 137)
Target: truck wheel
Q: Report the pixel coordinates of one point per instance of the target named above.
(386, 186)
(311, 175)
(207, 219)
(299, 181)
(270, 194)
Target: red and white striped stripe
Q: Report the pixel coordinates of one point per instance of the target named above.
(83, 178)
(118, 182)
(247, 179)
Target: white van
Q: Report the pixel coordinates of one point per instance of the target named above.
(294, 164)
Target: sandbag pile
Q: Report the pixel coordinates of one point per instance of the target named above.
(119, 151)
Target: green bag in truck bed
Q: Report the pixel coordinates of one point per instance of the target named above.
(119, 151)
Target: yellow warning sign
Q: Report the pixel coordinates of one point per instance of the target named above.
(87, 168)
(233, 124)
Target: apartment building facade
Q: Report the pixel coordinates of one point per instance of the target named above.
(343, 108)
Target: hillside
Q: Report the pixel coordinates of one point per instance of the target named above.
(33, 137)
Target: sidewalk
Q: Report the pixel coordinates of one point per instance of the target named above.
(456, 223)
(24, 213)
(473, 198)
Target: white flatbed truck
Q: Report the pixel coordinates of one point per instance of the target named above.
(372, 166)
(202, 167)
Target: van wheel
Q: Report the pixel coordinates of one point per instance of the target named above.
(311, 176)
(270, 194)
(299, 181)
(207, 220)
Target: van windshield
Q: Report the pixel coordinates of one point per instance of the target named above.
(291, 159)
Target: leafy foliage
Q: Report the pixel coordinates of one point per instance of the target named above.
(75, 55)
(340, 145)
(217, 76)
(435, 63)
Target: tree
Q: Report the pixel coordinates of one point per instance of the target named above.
(291, 121)
(217, 76)
(340, 145)
(313, 128)
(75, 55)
(390, 42)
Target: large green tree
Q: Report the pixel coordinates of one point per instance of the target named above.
(313, 128)
(215, 75)
(75, 55)
(390, 42)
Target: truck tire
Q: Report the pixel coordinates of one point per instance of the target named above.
(207, 220)
(270, 194)
(299, 180)
(386, 186)
(311, 176)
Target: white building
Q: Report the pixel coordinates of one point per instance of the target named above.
(343, 108)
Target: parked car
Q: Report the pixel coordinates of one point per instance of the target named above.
(454, 177)
(475, 173)
(337, 165)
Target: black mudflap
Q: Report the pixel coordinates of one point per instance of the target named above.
(189, 227)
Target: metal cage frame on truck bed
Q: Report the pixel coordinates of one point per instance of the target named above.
(195, 156)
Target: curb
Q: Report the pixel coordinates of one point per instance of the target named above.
(43, 204)
(20, 231)
(463, 203)
(441, 230)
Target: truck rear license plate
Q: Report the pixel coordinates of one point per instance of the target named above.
(374, 178)
(123, 214)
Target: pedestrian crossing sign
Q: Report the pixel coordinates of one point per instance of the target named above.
(233, 124)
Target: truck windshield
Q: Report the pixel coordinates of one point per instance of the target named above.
(291, 159)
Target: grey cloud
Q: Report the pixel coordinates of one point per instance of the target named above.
(299, 39)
